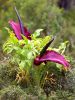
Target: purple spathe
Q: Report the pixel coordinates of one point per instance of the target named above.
(17, 30)
(52, 56)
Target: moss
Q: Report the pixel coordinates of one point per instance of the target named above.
(15, 93)
(11, 93)
(7, 74)
(1, 84)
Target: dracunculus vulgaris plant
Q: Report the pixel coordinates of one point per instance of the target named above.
(35, 50)
(45, 55)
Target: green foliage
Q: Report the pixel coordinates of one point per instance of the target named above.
(23, 51)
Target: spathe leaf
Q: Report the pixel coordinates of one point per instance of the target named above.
(52, 56)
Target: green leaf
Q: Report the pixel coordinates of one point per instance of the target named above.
(63, 47)
(37, 33)
(22, 65)
(29, 55)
